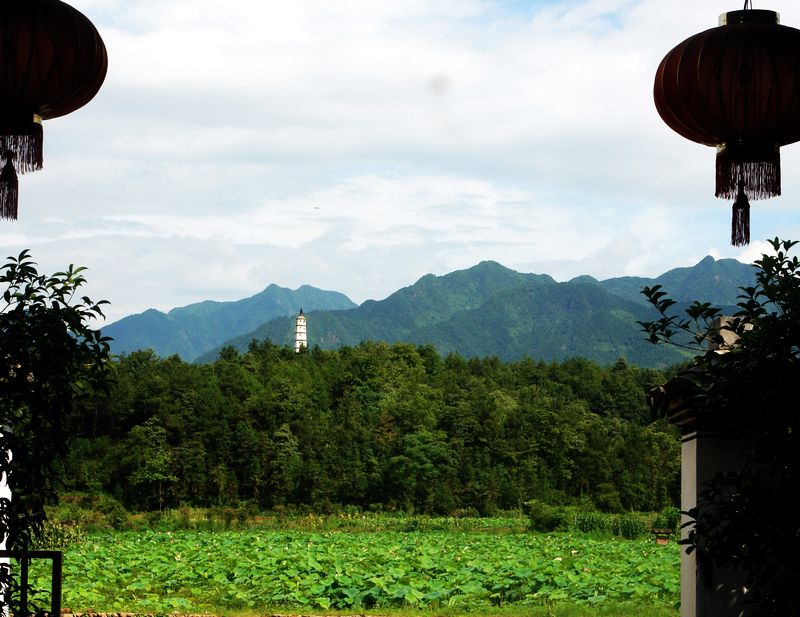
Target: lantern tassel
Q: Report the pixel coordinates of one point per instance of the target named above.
(740, 222)
(759, 168)
(9, 189)
(25, 139)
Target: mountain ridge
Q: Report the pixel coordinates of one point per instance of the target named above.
(492, 310)
(194, 329)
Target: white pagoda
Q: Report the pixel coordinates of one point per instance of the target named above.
(300, 333)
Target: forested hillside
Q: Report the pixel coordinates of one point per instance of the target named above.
(718, 281)
(190, 331)
(484, 310)
(490, 310)
(375, 426)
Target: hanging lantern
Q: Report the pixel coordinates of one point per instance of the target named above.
(736, 87)
(52, 61)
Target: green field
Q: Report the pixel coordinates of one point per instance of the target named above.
(258, 572)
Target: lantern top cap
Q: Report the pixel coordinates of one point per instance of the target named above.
(749, 16)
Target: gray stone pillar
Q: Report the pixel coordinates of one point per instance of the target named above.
(707, 591)
(706, 450)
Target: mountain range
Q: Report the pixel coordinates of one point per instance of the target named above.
(190, 331)
(484, 310)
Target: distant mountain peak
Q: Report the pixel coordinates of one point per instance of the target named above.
(584, 278)
(489, 264)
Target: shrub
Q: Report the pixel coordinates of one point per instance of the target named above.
(632, 525)
(607, 498)
(153, 519)
(544, 517)
(90, 513)
(57, 536)
(668, 518)
(114, 512)
(589, 521)
(465, 513)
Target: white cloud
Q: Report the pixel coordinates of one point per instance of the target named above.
(359, 145)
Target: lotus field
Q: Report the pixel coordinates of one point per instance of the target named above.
(255, 571)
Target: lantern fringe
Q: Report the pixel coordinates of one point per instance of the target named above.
(740, 221)
(9, 191)
(27, 145)
(761, 177)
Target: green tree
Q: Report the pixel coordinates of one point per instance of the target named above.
(286, 464)
(191, 469)
(50, 361)
(748, 519)
(423, 473)
(149, 461)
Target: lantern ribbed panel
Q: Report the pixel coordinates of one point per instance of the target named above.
(671, 100)
(52, 59)
(748, 82)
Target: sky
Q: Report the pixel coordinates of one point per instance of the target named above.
(358, 145)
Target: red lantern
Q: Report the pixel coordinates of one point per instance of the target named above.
(52, 61)
(736, 87)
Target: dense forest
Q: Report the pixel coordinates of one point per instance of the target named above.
(392, 427)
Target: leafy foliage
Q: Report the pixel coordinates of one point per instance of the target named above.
(257, 571)
(747, 519)
(57, 536)
(50, 360)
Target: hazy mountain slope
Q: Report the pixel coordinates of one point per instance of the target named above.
(484, 310)
(431, 300)
(553, 322)
(192, 330)
(488, 310)
(716, 281)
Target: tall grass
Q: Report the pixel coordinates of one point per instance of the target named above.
(101, 513)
